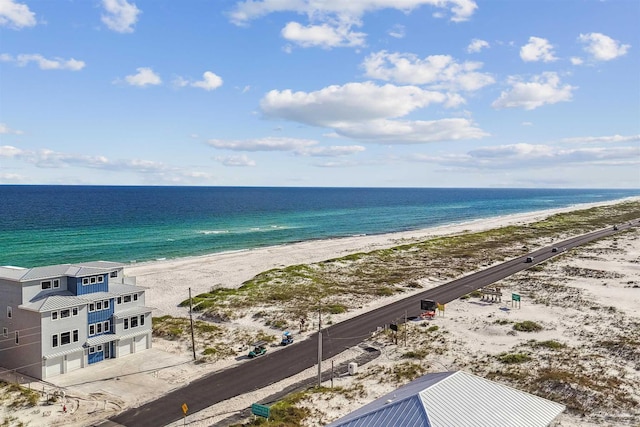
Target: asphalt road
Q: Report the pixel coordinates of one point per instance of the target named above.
(273, 367)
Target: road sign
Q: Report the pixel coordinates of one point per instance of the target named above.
(185, 408)
(515, 297)
(260, 410)
(427, 304)
(393, 327)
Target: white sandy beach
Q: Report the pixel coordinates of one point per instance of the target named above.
(474, 331)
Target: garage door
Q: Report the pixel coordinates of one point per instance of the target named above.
(74, 361)
(124, 347)
(141, 343)
(54, 366)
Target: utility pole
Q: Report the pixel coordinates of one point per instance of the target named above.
(193, 340)
(406, 328)
(319, 345)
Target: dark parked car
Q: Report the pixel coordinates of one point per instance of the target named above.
(529, 259)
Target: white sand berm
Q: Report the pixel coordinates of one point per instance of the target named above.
(100, 392)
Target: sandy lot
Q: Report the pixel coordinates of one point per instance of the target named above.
(585, 302)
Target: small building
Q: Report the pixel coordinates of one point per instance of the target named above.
(454, 399)
(59, 318)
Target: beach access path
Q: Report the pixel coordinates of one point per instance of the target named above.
(283, 364)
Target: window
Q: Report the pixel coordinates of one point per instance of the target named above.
(65, 338)
(126, 323)
(106, 326)
(85, 281)
(74, 311)
(119, 300)
(75, 335)
(105, 304)
(100, 279)
(92, 329)
(141, 319)
(99, 305)
(46, 284)
(113, 274)
(65, 313)
(99, 348)
(54, 315)
(92, 307)
(54, 340)
(56, 283)
(17, 338)
(92, 350)
(134, 322)
(9, 312)
(127, 298)
(135, 297)
(92, 280)
(99, 328)
(5, 332)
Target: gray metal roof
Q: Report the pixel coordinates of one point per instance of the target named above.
(63, 352)
(12, 273)
(455, 399)
(101, 339)
(133, 311)
(121, 289)
(64, 299)
(97, 296)
(51, 271)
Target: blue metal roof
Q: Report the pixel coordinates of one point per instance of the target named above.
(454, 399)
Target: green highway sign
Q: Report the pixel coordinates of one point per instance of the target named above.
(260, 410)
(515, 297)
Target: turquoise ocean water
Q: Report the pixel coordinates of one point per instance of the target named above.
(42, 225)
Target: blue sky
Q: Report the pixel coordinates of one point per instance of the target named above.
(359, 93)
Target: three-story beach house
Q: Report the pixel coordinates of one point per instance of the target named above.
(59, 318)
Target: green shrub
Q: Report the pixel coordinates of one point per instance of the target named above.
(527, 326)
(512, 358)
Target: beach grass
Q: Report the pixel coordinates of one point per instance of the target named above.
(351, 281)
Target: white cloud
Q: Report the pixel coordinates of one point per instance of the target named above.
(44, 63)
(16, 15)
(461, 10)
(397, 31)
(439, 71)
(144, 77)
(411, 132)
(263, 144)
(304, 147)
(331, 21)
(6, 130)
(602, 47)
(323, 35)
(332, 151)
(120, 15)
(336, 104)
(477, 45)
(364, 110)
(576, 60)
(209, 81)
(155, 171)
(12, 177)
(530, 156)
(603, 139)
(538, 49)
(237, 161)
(527, 124)
(542, 89)
(8, 151)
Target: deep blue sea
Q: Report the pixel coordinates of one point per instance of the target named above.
(43, 225)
